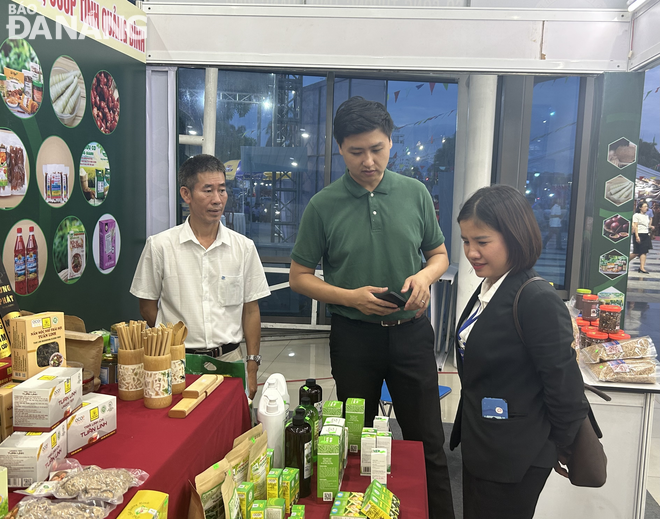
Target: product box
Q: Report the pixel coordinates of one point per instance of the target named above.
(269, 461)
(290, 487)
(379, 465)
(28, 456)
(94, 421)
(86, 348)
(382, 423)
(354, 422)
(245, 492)
(275, 508)
(37, 343)
(146, 504)
(258, 510)
(4, 492)
(368, 442)
(6, 410)
(298, 511)
(332, 408)
(107, 244)
(347, 506)
(6, 371)
(334, 430)
(341, 423)
(47, 399)
(329, 467)
(384, 441)
(380, 503)
(274, 484)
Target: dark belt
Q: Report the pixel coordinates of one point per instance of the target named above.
(395, 323)
(216, 352)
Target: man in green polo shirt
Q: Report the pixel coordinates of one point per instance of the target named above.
(371, 228)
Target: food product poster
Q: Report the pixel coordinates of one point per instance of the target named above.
(74, 99)
(25, 257)
(14, 169)
(614, 193)
(55, 171)
(106, 243)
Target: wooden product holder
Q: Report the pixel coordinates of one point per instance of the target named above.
(157, 381)
(130, 374)
(178, 354)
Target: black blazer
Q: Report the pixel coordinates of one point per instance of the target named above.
(539, 379)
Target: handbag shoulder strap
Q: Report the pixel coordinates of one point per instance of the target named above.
(515, 305)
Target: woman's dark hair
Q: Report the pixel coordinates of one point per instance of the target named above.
(639, 205)
(357, 115)
(199, 164)
(505, 210)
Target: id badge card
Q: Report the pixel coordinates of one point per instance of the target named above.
(496, 408)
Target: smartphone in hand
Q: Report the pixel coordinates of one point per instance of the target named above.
(392, 297)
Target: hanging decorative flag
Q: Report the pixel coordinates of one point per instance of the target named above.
(396, 95)
(431, 139)
(419, 86)
(446, 85)
(395, 156)
(431, 86)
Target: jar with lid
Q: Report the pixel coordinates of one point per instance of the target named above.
(594, 338)
(583, 334)
(109, 369)
(581, 322)
(590, 307)
(579, 294)
(619, 336)
(609, 320)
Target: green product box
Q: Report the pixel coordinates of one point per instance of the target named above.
(329, 468)
(274, 484)
(347, 505)
(354, 422)
(275, 508)
(339, 432)
(298, 511)
(245, 492)
(290, 487)
(258, 510)
(332, 408)
(341, 423)
(269, 463)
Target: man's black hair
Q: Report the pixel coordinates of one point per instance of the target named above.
(358, 115)
(199, 164)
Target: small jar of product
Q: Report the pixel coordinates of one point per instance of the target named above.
(109, 369)
(581, 322)
(583, 334)
(596, 338)
(579, 294)
(589, 307)
(619, 336)
(609, 320)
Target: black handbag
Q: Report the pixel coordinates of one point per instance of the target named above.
(585, 457)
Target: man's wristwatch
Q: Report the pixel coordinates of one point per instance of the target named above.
(256, 358)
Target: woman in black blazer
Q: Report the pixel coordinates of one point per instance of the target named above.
(521, 402)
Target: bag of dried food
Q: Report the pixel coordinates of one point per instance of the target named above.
(638, 348)
(230, 498)
(209, 487)
(31, 507)
(634, 371)
(95, 483)
(259, 465)
(252, 434)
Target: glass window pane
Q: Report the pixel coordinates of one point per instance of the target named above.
(550, 169)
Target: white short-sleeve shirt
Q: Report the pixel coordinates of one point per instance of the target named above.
(642, 222)
(204, 288)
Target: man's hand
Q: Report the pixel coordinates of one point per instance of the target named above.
(252, 369)
(421, 293)
(364, 300)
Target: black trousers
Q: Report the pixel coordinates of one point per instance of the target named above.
(363, 355)
(484, 499)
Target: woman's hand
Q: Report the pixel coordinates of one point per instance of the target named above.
(637, 239)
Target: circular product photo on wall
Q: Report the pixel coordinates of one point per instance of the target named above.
(21, 78)
(55, 171)
(14, 169)
(106, 243)
(105, 102)
(70, 249)
(94, 173)
(25, 257)
(67, 91)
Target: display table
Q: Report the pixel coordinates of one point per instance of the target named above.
(407, 481)
(172, 451)
(626, 422)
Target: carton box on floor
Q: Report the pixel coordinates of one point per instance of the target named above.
(37, 343)
(146, 503)
(94, 421)
(354, 422)
(28, 456)
(329, 468)
(6, 410)
(47, 399)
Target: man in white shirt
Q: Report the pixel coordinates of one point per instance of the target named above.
(204, 274)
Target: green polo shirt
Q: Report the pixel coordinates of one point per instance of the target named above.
(368, 238)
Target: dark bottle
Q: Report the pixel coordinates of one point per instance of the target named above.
(315, 394)
(313, 419)
(298, 449)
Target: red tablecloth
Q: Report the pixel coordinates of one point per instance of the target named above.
(172, 451)
(407, 481)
